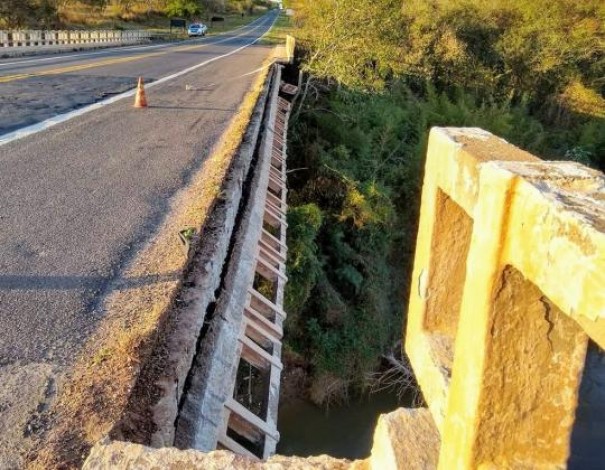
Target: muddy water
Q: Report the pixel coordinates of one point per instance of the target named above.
(346, 431)
(343, 431)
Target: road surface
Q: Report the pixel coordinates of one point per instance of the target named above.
(86, 180)
(79, 198)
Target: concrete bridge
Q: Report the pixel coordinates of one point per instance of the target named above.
(507, 296)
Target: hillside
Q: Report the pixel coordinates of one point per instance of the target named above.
(377, 76)
(125, 14)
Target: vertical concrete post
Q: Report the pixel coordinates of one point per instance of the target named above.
(518, 358)
(290, 46)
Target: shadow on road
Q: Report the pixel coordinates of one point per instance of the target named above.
(20, 282)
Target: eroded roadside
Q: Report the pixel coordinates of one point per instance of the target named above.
(99, 389)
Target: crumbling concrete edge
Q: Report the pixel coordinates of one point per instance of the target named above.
(214, 372)
(197, 293)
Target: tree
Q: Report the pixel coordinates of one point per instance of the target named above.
(182, 8)
(27, 13)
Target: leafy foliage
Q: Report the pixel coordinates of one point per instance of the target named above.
(18, 13)
(183, 8)
(378, 75)
(47, 14)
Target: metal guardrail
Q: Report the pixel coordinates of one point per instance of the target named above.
(39, 38)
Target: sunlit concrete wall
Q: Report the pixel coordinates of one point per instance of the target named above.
(508, 286)
(507, 290)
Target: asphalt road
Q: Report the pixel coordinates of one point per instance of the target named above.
(79, 198)
(35, 89)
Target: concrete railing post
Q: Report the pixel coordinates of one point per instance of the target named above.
(506, 292)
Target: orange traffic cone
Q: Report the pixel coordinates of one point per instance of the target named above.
(140, 100)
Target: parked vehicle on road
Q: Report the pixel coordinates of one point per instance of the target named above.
(197, 29)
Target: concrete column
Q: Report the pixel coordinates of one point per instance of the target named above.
(507, 289)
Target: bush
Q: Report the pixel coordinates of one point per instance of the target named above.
(355, 202)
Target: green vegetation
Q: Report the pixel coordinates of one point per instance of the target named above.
(128, 14)
(377, 76)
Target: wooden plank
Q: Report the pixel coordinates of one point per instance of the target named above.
(272, 252)
(247, 415)
(273, 241)
(235, 447)
(269, 359)
(276, 188)
(258, 318)
(272, 269)
(271, 220)
(259, 338)
(278, 173)
(263, 270)
(261, 330)
(277, 201)
(279, 219)
(278, 210)
(277, 263)
(278, 162)
(263, 300)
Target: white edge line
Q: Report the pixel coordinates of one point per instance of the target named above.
(110, 50)
(61, 118)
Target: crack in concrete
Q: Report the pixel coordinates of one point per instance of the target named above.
(551, 325)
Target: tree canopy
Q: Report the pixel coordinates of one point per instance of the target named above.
(504, 47)
(377, 76)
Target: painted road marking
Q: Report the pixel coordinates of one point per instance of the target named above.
(112, 50)
(76, 68)
(60, 118)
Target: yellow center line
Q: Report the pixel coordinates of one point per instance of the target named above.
(75, 68)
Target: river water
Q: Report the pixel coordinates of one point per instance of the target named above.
(344, 431)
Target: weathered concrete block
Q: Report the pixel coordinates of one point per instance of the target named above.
(111, 455)
(405, 439)
(507, 288)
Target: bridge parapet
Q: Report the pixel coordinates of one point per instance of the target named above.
(507, 289)
(30, 40)
(507, 292)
